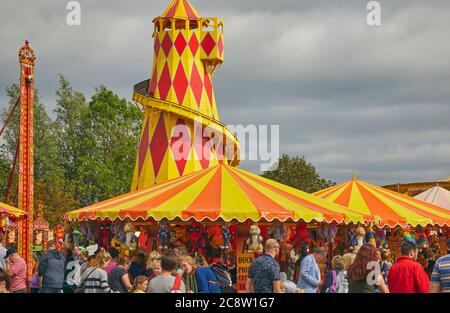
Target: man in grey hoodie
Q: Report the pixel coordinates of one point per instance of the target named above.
(51, 270)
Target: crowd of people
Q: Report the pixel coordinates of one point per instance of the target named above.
(95, 270)
(367, 270)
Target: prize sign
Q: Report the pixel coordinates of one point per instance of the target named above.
(244, 259)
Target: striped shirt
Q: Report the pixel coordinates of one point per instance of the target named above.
(441, 273)
(95, 280)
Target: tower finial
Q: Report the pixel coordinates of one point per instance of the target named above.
(27, 55)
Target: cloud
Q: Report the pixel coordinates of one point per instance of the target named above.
(374, 100)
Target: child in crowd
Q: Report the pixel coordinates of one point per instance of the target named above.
(385, 264)
(140, 285)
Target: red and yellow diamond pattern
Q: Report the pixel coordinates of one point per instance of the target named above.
(187, 50)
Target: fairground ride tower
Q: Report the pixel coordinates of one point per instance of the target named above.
(181, 131)
(27, 60)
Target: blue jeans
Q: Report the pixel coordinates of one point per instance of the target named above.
(50, 290)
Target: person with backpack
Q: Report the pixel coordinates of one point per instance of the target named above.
(95, 278)
(207, 281)
(223, 277)
(166, 282)
(336, 279)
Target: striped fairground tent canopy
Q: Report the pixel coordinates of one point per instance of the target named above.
(220, 193)
(10, 211)
(386, 207)
(436, 195)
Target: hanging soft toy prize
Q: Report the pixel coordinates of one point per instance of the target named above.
(215, 236)
(277, 231)
(129, 233)
(163, 235)
(197, 242)
(226, 236)
(104, 235)
(255, 240)
(422, 240)
(382, 243)
(371, 236)
(301, 235)
(407, 236)
(352, 242)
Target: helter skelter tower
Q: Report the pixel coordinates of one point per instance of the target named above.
(188, 49)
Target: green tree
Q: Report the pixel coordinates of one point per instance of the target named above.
(108, 130)
(69, 107)
(4, 174)
(298, 173)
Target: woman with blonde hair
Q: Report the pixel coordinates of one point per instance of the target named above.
(189, 269)
(95, 278)
(156, 269)
(336, 279)
(348, 259)
(140, 284)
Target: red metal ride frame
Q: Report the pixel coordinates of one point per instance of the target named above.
(26, 138)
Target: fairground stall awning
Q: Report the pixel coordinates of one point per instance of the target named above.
(10, 211)
(386, 207)
(218, 193)
(437, 195)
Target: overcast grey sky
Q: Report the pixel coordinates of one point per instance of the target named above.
(351, 98)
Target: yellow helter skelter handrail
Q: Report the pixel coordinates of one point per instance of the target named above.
(193, 115)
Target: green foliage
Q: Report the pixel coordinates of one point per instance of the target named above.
(298, 173)
(109, 132)
(86, 154)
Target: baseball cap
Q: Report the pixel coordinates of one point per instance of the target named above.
(9, 252)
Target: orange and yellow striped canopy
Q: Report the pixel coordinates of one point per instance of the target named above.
(385, 207)
(8, 210)
(181, 9)
(222, 193)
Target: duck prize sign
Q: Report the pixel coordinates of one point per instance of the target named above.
(244, 258)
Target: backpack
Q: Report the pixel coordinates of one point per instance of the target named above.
(334, 284)
(342, 287)
(222, 275)
(176, 288)
(339, 284)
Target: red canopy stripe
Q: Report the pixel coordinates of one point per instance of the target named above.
(377, 207)
(267, 207)
(437, 219)
(207, 202)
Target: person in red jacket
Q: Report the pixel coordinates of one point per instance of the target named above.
(407, 275)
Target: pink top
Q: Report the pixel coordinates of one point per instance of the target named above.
(112, 265)
(19, 274)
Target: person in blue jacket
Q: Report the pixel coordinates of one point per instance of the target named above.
(309, 279)
(207, 281)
